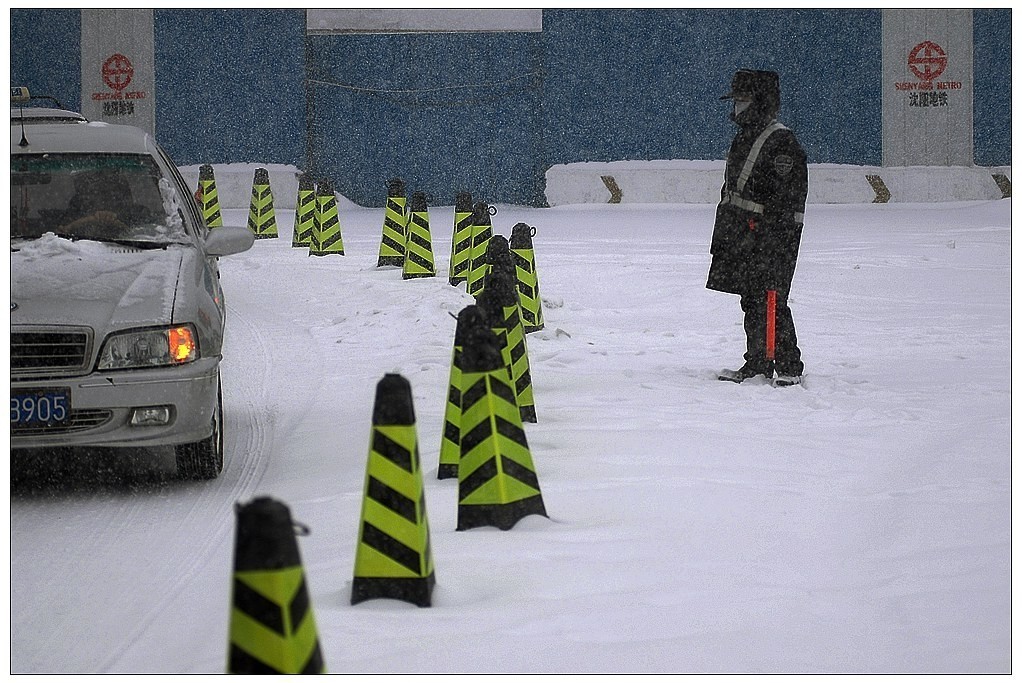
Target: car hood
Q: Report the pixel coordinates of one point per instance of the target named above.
(56, 281)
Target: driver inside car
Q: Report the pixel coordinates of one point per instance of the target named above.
(102, 206)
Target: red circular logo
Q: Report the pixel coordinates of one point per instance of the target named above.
(927, 60)
(117, 71)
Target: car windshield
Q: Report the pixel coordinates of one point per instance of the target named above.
(104, 197)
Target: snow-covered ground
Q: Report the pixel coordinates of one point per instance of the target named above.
(859, 523)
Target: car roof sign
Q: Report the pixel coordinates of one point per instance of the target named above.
(45, 115)
(21, 95)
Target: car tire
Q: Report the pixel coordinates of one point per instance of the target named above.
(204, 459)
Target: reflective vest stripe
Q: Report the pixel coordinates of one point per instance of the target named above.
(753, 207)
(750, 160)
(734, 197)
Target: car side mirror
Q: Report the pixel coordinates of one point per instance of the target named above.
(228, 240)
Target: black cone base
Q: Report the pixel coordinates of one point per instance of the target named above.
(416, 591)
(446, 471)
(455, 281)
(410, 276)
(532, 328)
(502, 516)
(390, 261)
(266, 237)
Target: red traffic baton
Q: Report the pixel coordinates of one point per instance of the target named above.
(771, 323)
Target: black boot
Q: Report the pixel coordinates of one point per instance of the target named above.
(745, 372)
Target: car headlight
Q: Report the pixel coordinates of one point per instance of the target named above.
(149, 348)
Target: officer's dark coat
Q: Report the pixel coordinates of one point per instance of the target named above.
(755, 250)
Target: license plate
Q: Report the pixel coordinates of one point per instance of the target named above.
(40, 407)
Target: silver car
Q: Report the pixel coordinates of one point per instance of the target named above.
(117, 314)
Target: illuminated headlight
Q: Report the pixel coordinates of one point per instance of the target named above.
(149, 348)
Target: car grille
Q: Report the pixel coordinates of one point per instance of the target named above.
(80, 421)
(52, 351)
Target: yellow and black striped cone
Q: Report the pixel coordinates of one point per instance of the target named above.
(482, 230)
(262, 220)
(305, 212)
(419, 245)
(497, 256)
(392, 244)
(393, 558)
(461, 239)
(497, 482)
(527, 278)
(499, 303)
(273, 629)
(326, 234)
(210, 203)
(469, 319)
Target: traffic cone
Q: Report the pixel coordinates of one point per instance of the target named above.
(497, 482)
(392, 244)
(262, 220)
(482, 230)
(326, 235)
(469, 319)
(305, 212)
(461, 240)
(499, 303)
(497, 256)
(210, 199)
(273, 629)
(419, 245)
(527, 279)
(393, 558)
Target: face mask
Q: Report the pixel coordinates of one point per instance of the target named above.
(740, 106)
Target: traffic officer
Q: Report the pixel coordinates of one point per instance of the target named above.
(758, 227)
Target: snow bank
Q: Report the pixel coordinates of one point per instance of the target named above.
(698, 182)
(673, 182)
(234, 184)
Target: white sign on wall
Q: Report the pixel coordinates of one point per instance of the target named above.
(326, 21)
(927, 87)
(118, 67)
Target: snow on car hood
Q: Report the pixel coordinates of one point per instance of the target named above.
(102, 285)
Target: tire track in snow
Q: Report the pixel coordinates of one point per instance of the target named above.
(250, 431)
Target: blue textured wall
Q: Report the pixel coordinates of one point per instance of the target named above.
(645, 84)
(595, 85)
(229, 85)
(45, 54)
(446, 112)
(991, 66)
(490, 112)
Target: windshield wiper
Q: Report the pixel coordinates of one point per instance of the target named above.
(129, 242)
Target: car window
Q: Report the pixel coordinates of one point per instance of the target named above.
(94, 196)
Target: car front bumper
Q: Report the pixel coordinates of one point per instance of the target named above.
(103, 405)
